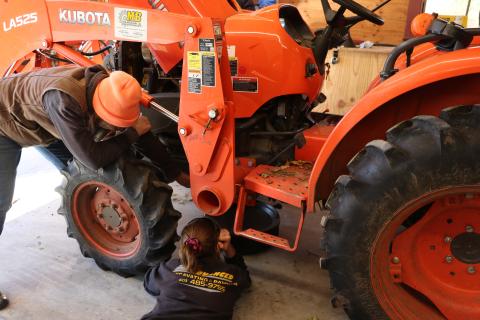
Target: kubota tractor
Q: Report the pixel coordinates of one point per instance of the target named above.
(399, 173)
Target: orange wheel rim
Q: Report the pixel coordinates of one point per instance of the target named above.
(106, 220)
(425, 263)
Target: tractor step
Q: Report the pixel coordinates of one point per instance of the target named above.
(289, 184)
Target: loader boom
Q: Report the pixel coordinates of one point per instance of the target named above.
(206, 111)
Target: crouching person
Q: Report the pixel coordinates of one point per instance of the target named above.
(205, 282)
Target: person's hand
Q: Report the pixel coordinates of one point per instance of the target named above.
(142, 125)
(224, 243)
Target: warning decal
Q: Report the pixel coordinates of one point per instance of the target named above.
(194, 65)
(201, 69)
(194, 61)
(233, 66)
(131, 24)
(208, 69)
(206, 45)
(194, 82)
(245, 84)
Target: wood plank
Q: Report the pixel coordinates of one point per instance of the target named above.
(394, 14)
(348, 79)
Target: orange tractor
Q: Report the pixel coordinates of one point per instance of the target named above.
(230, 93)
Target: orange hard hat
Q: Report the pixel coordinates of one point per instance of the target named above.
(117, 99)
(421, 23)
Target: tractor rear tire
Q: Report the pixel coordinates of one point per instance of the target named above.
(121, 215)
(393, 221)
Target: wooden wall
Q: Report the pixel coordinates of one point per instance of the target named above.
(394, 14)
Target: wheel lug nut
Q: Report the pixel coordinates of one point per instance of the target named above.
(449, 259)
(447, 239)
(469, 229)
(396, 260)
(471, 270)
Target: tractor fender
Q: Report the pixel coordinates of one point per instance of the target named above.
(425, 88)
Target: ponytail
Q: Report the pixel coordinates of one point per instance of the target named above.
(199, 239)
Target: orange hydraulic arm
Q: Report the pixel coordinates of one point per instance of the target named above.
(206, 120)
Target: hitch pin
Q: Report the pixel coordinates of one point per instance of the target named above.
(212, 114)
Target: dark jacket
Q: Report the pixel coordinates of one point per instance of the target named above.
(209, 294)
(39, 107)
(246, 4)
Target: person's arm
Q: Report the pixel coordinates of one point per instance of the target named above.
(152, 280)
(233, 257)
(72, 124)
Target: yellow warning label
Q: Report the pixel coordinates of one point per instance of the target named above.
(194, 61)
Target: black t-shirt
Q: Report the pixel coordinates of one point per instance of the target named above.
(209, 294)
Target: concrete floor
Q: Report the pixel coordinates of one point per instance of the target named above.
(46, 277)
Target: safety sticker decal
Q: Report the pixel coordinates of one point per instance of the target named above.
(131, 24)
(233, 60)
(208, 69)
(194, 82)
(245, 84)
(206, 45)
(194, 65)
(194, 61)
(233, 66)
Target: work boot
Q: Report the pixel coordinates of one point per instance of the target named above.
(3, 301)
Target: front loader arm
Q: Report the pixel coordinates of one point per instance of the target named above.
(206, 122)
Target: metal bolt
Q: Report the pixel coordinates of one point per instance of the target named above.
(44, 43)
(471, 270)
(212, 113)
(396, 260)
(448, 239)
(237, 161)
(449, 259)
(183, 131)
(190, 29)
(250, 163)
(469, 229)
(197, 167)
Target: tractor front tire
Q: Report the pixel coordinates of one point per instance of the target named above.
(402, 238)
(121, 215)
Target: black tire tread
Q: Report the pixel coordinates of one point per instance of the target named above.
(418, 155)
(150, 197)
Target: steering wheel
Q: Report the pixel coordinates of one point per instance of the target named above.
(360, 10)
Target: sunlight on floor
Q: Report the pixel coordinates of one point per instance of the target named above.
(35, 184)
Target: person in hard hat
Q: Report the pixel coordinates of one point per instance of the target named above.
(70, 110)
(205, 282)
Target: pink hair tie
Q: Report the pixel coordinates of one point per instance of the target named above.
(194, 244)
